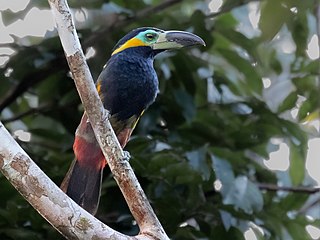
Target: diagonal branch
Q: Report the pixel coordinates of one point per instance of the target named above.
(65, 215)
(44, 108)
(30, 80)
(273, 187)
(154, 9)
(98, 117)
(230, 7)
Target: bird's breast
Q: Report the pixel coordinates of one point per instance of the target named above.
(128, 86)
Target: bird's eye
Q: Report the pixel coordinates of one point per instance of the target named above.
(150, 36)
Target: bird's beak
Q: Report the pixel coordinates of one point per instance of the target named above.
(176, 39)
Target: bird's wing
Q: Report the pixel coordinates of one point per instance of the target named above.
(124, 128)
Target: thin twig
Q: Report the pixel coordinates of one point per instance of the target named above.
(38, 110)
(230, 7)
(155, 9)
(274, 187)
(308, 206)
(30, 80)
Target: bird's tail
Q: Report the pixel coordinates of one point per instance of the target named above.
(83, 181)
(83, 185)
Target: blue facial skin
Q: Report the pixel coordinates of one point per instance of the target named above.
(148, 36)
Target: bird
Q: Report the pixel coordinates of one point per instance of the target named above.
(127, 86)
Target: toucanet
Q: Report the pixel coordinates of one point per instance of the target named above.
(127, 85)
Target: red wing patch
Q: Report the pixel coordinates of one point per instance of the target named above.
(88, 154)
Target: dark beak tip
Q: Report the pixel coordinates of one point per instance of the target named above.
(200, 42)
(195, 41)
(185, 38)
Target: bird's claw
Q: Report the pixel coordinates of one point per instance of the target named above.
(126, 156)
(106, 115)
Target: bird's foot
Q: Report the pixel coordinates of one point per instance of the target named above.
(106, 115)
(126, 156)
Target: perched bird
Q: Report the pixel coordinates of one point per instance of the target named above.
(127, 85)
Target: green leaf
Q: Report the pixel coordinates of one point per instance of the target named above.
(297, 229)
(293, 202)
(224, 173)
(162, 160)
(233, 233)
(251, 81)
(8, 17)
(226, 21)
(227, 219)
(273, 15)
(239, 39)
(12, 233)
(244, 195)
(310, 105)
(289, 102)
(297, 165)
(199, 161)
(186, 102)
(300, 32)
(258, 234)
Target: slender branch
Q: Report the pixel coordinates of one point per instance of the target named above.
(41, 109)
(137, 201)
(273, 187)
(10, 45)
(154, 9)
(30, 80)
(65, 215)
(309, 205)
(230, 7)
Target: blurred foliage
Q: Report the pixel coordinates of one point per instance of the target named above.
(222, 110)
